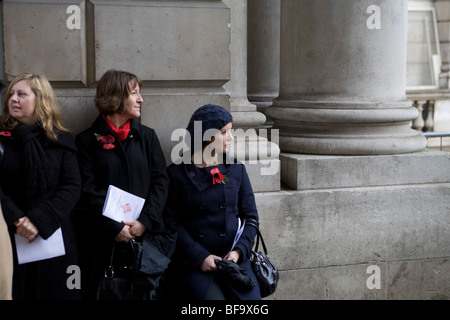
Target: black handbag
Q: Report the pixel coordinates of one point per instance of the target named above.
(138, 272)
(116, 283)
(265, 271)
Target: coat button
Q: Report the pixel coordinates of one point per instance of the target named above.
(222, 205)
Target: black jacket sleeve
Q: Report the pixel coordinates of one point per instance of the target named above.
(151, 215)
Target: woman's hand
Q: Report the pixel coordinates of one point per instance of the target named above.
(233, 255)
(26, 228)
(136, 228)
(208, 264)
(124, 235)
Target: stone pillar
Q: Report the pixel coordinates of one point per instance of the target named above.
(244, 113)
(342, 79)
(263, 53)
(255, 151)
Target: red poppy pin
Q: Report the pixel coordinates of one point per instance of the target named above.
(108, 141)
(6, 133)
(217, 177)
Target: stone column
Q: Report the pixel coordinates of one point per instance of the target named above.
(263, 53)
(250, 148)
(342, 79)
(244, 113)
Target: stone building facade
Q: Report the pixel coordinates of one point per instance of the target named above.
(357, 206)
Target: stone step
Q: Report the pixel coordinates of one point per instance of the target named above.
(305, 172)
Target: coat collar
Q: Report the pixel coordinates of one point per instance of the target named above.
(201, 178)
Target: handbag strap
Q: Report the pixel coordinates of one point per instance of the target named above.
(255, 224)
(109, 271)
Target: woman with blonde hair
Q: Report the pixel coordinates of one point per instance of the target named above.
(39, 184)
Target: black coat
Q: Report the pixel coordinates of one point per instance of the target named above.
(136, 165)
(206, 219)
(44, 279)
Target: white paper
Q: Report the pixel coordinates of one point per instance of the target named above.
(39, 249)
(121, 205)
(238, 233)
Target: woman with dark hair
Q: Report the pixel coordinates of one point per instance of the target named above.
(39, 185)
(209, 198)
(117, 150)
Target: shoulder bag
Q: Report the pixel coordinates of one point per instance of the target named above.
(265, 271)
(140, 277)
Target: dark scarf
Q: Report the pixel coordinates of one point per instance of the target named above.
(40, 177)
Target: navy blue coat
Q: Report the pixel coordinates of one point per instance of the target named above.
(206, 219)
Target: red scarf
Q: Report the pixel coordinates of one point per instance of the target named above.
(122, 133)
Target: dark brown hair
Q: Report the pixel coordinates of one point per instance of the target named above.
(113, 90)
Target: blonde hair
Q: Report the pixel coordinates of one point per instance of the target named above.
(48, 114)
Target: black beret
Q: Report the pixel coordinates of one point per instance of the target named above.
(211, 117)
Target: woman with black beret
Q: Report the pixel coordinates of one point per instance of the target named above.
(209, 197)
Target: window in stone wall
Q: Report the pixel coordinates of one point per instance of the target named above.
(423, 55)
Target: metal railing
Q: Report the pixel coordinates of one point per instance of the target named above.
(437, 135)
